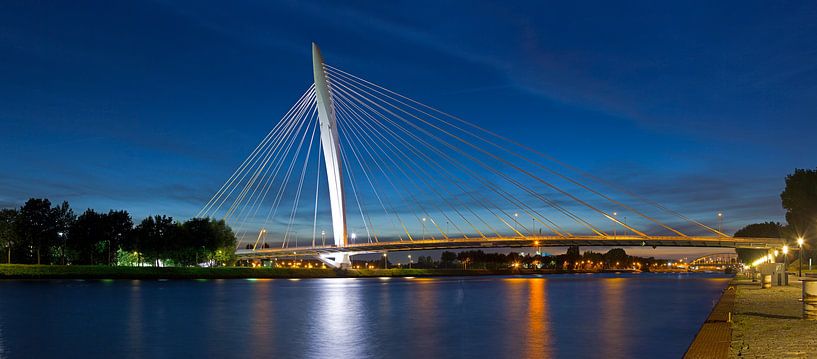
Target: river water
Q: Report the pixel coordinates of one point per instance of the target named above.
(570, 316)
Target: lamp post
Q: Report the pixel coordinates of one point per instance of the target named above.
(62, 235)
(409, 258)
(424, 228)
(800, 242)
(323, 238)
(385, 261)
(354, 235)
(786, 264)
(515, 220)
(615, 214)
(720, 221)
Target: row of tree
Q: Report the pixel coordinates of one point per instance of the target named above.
(799, 199)
(42, 234)
(614, 258)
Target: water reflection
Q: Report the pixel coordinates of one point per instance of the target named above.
(613, 319)
(424, 317)
(557, 316)
(2, 341)
(538, 326)
(261, 330)
(135, 315)
(339, 332)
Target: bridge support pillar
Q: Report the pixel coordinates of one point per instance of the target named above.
(338, 260)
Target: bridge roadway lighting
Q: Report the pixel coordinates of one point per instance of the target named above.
(385, 261)
(409, 258)
(800, 242)
(323, 238)
(354, 235)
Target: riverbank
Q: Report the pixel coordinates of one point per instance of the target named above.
(767, 323)
(751, 322)
(24, 271)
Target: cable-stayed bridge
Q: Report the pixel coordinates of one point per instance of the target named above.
(354, 167)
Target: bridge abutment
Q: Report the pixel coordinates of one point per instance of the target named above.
(338, 260)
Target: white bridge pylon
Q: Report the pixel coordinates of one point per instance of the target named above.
(330, 142)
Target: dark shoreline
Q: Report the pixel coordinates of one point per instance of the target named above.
(22, 271)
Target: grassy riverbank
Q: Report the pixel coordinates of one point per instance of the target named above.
(21, 271)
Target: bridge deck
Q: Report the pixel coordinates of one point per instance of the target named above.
(515, 242)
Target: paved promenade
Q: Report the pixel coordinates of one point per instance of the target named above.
(767, 324)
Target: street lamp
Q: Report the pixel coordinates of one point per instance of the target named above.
(720, 221)
(323, 238)
(786, 262)
(409, 258)
(62, 235)
(424, 228)
(354, 235)
(800, 242)
(515, 220)
(615, 214)
(385, 261)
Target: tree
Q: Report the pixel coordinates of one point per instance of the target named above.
(86, 234)
(572, 254)
(154, 237)
(447, 259)
(760, 230)
(8, 235)
(64, 218)
(224, 244)
(799, 199)
(615, 255)
(196, 241)
(37, 228)
(118, 229)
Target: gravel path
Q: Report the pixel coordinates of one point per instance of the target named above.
(767, 323)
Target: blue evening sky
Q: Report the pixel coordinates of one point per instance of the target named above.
(149, 105)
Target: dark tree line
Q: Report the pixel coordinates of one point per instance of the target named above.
(38, 233)
(571, 260)
(799, 199)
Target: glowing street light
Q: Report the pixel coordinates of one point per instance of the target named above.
(62, 235)
(385, 261)
(615, 226)
(354, 235)
(515, 220)
(786, 262)
(409, 258)
(424, 228)
(720, 221)
(800, 242)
